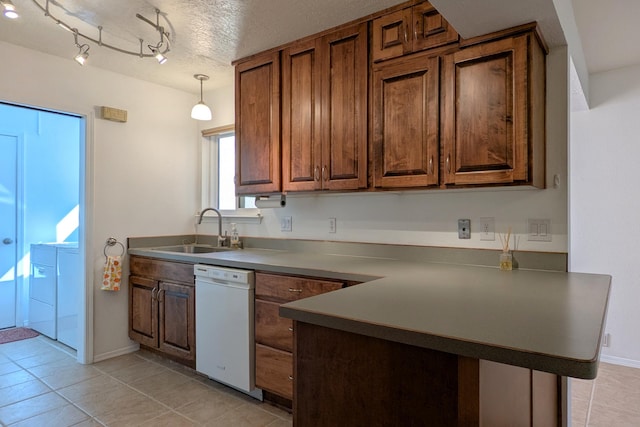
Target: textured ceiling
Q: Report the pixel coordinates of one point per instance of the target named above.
(207, 35)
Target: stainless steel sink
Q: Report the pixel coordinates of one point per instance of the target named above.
(191, 249)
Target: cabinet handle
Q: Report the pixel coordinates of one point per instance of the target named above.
(406, 31)
(324, 173)
(158, 295)
(415, 30)
(316, 173)
(448, 163)
(291, 329)
(290, 378)
(155, 289)
(431, 165)
(295, 290)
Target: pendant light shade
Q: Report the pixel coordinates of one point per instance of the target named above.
(9, 9)
(201, 111)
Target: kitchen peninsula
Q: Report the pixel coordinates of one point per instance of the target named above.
(423, 341)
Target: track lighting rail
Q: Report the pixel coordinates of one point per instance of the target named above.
(157, 50)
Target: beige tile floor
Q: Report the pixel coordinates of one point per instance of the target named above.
(41, 384)
(611, 400)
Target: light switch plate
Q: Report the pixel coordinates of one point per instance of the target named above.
(285, 223)
(464, 229)
(539, 230)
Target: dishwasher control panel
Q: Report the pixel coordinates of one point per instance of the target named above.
(223, 273)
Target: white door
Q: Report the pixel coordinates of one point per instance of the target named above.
(8, 230)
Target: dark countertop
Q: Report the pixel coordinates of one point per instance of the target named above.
(543, 320)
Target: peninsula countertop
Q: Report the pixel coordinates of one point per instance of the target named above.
(543, 320)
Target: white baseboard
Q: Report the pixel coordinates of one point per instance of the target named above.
(620, 361)
(116, 353)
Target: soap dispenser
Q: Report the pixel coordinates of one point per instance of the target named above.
(235, 239)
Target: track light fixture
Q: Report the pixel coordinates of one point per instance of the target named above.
(83, 50)
(157, 51)
(201, 111)
(9, 9)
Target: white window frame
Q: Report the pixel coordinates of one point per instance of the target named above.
(209, 178)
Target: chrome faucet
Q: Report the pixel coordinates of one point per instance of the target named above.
(222, 240)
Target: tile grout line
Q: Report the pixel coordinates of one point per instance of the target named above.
(146, 395)
(591, 396)
(39, 379)
(190, 378)
(198, 381)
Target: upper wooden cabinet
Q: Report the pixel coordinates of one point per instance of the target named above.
(406, 122)
(301, 121)
(258, 125)
(324, 112)
(410, 30)
(422, 108)
(493, 113)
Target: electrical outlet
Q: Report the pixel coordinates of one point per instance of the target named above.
(539, 230)
(606, 340)
(332, 225)
(464, 229)
(487, 229)
(285, 223)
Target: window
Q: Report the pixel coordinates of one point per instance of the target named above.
(218, 173)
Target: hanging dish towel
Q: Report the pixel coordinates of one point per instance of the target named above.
(112, 274)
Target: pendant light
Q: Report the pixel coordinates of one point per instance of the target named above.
(9, 9)
(201, 111)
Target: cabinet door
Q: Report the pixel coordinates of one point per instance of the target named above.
(430, 29)
(143, 311)
(485, 113)
(344, 109)
(390, 35)
(301, 143)
(271, 329)
(177, 320)
(274, 371)
(258, 125)
(405, 122)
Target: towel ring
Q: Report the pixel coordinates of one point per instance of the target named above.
(111, 241)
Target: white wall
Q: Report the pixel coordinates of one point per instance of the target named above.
(430, 217)
(143, 175)
(605, 207)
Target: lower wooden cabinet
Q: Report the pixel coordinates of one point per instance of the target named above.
(274, 370)
(344, 378)
(162, 307)
(274, 334)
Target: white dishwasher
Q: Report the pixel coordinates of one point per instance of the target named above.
(225, 349)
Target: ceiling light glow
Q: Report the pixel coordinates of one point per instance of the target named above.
(9, 9)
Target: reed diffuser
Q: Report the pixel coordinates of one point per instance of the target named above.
(506, 258)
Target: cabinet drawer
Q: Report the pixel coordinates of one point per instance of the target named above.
(289, 288)
(271, 329)
(162, 270)
(274, 371)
